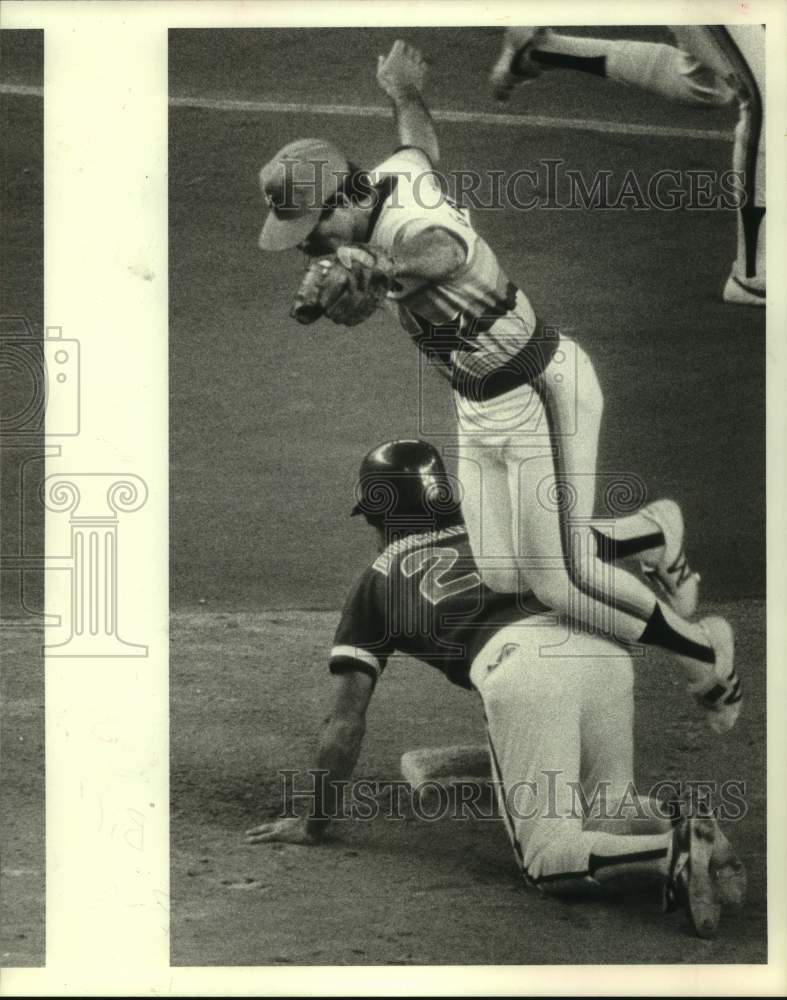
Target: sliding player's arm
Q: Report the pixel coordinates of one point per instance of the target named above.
(340, 744)
(401, 74)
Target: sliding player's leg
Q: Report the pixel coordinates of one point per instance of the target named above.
(533, 703)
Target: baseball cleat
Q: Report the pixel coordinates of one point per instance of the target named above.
(744, 291)
(514, 64)
(672, 574)
(719, 697)
(691, 883)
(726, 867)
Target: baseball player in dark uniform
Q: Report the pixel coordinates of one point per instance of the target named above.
(558, 706)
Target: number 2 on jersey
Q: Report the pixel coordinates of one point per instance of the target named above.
(438, 563)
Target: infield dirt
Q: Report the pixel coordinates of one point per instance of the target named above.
(249, 693)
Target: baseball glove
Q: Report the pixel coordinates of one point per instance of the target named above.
(347, 287)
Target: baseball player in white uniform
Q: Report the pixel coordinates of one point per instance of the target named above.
(527, 400)
(713, 66)
(559, 714)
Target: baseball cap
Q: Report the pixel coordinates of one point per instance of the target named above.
(296, 183)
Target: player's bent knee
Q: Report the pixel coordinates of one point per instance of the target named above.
(572, 886)
(589, 574)
(503, 581)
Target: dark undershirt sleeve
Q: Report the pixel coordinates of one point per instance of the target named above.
(362, 641)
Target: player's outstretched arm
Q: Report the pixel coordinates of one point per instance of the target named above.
(402, 75)
(337, 755)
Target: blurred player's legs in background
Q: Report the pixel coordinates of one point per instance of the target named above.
(713, 66)
(662, 69)
(737, 52)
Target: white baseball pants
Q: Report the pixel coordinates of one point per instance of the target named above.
(559, 712)
(528, 475)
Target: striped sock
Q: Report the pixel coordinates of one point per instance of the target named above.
(614, 549)
(596, 65)
(751, 218)
(659, 632)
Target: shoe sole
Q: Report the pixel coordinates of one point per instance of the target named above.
(736, 293)
(720, 713)
(501, 79)
(703, 903)
(697, 844)
(729, 872)
(732, 884)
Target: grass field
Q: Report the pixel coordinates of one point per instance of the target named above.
(268, 422)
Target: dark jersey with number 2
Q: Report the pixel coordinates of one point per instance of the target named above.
(422, 597)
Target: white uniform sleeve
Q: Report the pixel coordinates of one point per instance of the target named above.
(417, 202)
(409, 160)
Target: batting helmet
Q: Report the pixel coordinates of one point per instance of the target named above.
(405, 483)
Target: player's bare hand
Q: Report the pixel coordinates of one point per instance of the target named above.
(402, 73)
(291, 830)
